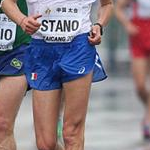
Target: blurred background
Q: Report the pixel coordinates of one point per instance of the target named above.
(114, 114)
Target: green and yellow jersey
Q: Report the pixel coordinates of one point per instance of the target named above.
(11, 35)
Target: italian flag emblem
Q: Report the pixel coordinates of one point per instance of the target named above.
(34, 76)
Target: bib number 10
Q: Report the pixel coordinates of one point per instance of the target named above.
(6, 34)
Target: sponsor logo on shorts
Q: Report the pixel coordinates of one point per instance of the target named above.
(97, 62)
(16, 63)
(33, 76)
(82, 70)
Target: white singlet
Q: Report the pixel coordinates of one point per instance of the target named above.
(61, 20)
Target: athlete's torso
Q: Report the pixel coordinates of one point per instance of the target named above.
(62, 19)
(11, 35)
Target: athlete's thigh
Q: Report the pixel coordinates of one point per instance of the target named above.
(140, 69)
(46, 109)
(12, 90)
(76, 98)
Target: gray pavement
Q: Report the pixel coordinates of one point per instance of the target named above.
(113, 119)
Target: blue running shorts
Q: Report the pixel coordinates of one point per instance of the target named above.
(49, 65)
(12, 63)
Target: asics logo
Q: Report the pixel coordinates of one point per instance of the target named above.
(82, 70)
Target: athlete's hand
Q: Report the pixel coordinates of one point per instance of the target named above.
(131, 29)
(95, 35)
(30, 24)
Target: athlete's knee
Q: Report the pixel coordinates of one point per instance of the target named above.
(73, 132)
(141, 89)
(46, 144)
(142, 92)
(6, 128)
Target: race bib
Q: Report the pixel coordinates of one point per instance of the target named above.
(7, 33)
(60, 23)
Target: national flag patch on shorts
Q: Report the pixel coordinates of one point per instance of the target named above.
(33, 76)
(16, 63)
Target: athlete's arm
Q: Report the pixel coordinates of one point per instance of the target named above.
(28, 23)
(12, 10)
(121, 16)
(104, 13)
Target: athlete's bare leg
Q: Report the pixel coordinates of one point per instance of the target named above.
(46, 106)
(140, 68)
(76, 101)
(12, 90)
